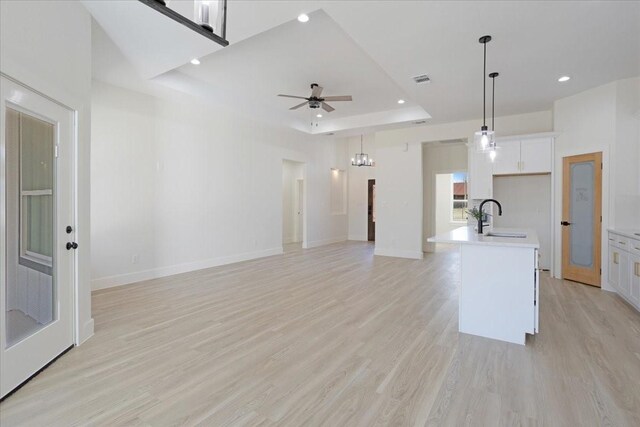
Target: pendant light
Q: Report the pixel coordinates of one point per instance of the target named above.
(493, 146)
(484, 137)
(361, 159)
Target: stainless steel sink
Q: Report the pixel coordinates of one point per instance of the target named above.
(499, 234)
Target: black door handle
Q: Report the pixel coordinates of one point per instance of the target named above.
(72, 245)
(565, 223)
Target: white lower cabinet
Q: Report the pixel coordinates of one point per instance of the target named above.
(624, 266)
(634, 292)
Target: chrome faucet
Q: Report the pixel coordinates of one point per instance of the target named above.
(482, 213)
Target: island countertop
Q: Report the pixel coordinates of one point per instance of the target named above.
(468, 236)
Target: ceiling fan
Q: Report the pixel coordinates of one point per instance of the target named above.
(316, 101)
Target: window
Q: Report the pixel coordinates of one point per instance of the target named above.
(36, 189)
(460, 197)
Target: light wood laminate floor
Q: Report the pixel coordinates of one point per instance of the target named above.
(335, 336)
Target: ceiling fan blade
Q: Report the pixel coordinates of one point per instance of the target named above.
(316, 91)
(292, 96)
(328, 108)
(299, 105)
(338, 98)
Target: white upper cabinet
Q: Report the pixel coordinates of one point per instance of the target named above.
(531, 155)
(535, 155)
(507, 160)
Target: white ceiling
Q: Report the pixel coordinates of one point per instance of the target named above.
(371, 49)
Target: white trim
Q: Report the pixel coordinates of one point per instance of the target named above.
(86, 331)
(37, 193)
(138, 276)
(316, 243)
(528, 136)
(399, 253)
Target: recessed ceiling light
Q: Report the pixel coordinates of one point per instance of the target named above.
(400, 101)
(195, 61)
(303, 17)
(318, 115)
(564, 78)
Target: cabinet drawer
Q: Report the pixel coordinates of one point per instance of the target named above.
(621, 242)
(634, 246)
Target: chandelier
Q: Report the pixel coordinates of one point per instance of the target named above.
(362, 159)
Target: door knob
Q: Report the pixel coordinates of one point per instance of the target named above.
(72, 245)
(565, 223)
(68, 229)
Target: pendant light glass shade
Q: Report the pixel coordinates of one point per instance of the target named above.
(484, 139)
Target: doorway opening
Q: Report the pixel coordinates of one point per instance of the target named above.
(451, 201)
(371, 211)
(293, 205)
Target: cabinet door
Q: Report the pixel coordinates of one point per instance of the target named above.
(614, 266)
(634, 293)
(480, 179)
(624, 283)
(507, 160)
(535, 155)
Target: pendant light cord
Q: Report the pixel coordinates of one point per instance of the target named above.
(493, 103)
(484, 87)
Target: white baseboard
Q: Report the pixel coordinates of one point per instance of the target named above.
(398, 253)
(358, 237)
(128, 278)
(86, 332)
(316, 243)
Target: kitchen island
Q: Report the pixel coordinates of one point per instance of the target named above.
(499, 282)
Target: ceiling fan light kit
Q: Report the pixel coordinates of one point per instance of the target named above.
(209, 17)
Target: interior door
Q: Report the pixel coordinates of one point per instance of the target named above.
(37, 266)
(582, 218)
(371, 211)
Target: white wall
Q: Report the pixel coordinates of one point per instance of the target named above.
(358, 187)
(291, 173)
(444, 204)
(35, 51)
(602, 119)
(626, 178)
(181, 185)
(586, 124)
(526, 203)
(399, 183)
(437, 158)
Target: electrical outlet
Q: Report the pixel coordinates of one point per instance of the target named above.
(135, 258)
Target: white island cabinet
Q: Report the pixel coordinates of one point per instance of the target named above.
(499, 282)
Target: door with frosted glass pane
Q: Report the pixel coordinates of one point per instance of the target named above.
(582, 218)
(36, 278)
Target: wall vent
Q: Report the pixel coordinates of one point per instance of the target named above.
(422, 78)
